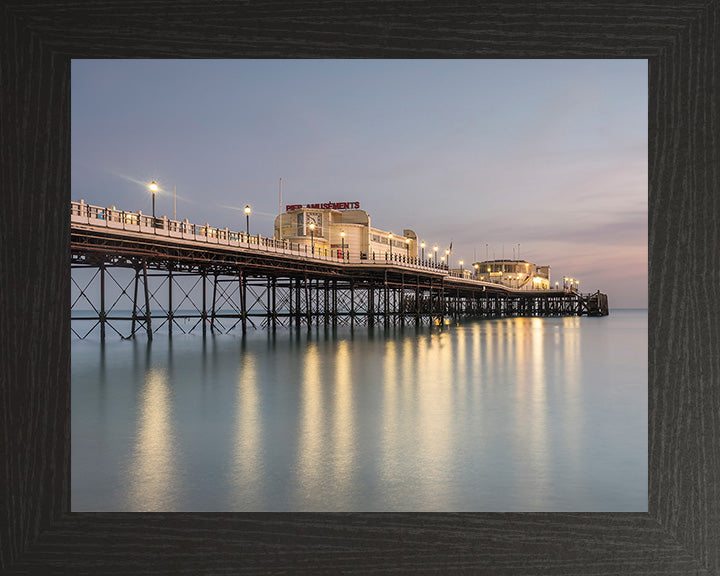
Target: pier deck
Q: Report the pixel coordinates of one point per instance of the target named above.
(264, 282)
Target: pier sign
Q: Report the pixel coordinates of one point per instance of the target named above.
(325, 206)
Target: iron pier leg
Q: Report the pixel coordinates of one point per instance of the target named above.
(269, 301)
(274, 303)
(134, 313)
(402, 299)
(204, 302)
(417, 299)
(326, 312)
(308, 303)
(371, 305)
(334, 303)
(212, 313)
(442, 300)
(352, 303)
(386, 295)
(290, 302)
(102, 301)
(297, 303)
(148, 323)
(430, 301)
(243, 300)
(170, 310)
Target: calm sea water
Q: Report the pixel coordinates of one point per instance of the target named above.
(521, 414)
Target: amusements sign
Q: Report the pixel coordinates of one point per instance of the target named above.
(325, 206)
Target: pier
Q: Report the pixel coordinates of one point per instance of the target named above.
(178, 276)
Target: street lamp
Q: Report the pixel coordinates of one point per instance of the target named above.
(435, 249)
(247, 219)
(422, 245)
(153, 188)
(442, 261)
(312, 237)
(342, 239)
(390, 240)
(477, 269)
(447, 253)
(461, 265)
(407, 247)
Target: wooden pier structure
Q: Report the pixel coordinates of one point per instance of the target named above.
(187, 277)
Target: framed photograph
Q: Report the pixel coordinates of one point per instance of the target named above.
(41, 533)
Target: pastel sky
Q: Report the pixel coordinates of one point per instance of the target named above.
(548, 154)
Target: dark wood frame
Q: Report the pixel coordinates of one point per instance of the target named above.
(681, 532)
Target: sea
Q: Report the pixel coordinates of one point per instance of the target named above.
(491, 415)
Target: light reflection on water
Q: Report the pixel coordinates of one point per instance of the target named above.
(152, 470)
(521, 414)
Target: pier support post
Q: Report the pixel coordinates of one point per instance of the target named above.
(243, 300)
(308, 303)
(148, 322)
(102, 301)
(290, 302)
(417, 299)
(352, 303)
(297, 303)
(212, 313)
(274, 302)
(386, 307)
(170, 308)
(334, 304)
(204, 301)
(268, 295)
(134, 312)
(402, 299)
(371, 305)
(326, 298)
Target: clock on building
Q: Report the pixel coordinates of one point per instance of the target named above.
(313, 218)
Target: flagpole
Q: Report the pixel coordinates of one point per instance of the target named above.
(280, 213)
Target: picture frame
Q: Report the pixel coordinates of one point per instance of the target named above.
(39, 534)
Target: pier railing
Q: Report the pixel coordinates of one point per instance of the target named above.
(112, 218)
(120, 220)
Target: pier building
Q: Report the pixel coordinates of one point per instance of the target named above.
(516, 274)
(345, 230)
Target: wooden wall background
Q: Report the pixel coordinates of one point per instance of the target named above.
(681, 532)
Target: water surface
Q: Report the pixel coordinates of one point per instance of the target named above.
(517, 414)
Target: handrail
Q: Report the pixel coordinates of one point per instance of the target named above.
(139, 222)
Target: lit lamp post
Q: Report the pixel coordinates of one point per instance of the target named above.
(407, 247)
(390, 240)
(442, 261)
(247, 219)
(447, 253)
(312, 238)
(422, 245)
(461, 265)
(435, 249)
(153, 188)
(342, 240)
(477, 269)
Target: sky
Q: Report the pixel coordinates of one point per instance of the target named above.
(486, 154)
